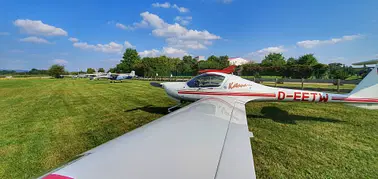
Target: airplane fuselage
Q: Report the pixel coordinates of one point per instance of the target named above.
(245, 90)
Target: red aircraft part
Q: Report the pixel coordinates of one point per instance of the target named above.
(227, 70)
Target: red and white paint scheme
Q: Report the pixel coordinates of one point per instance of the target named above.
(220, 84)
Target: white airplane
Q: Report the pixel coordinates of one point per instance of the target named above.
(123, 76)
(205, 140)
(100, 75)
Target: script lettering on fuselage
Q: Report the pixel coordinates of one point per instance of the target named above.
(303, 96)
(233, 85)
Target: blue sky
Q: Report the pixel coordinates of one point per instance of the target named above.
(82, 34)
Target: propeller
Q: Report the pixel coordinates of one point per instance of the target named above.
(155, 84)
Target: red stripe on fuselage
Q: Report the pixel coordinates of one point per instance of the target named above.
(371, 100)
(273, 95)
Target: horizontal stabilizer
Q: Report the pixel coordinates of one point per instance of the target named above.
(370, 62)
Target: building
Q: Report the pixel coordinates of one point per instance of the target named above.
(237, 61)
(199, 58)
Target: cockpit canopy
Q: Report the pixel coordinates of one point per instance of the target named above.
(206, 80)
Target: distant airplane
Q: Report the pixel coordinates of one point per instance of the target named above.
(122, 76)
(207, 139)
(100, 75)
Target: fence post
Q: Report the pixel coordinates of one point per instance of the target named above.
(275, 83)
(302, 83)
(338, 85)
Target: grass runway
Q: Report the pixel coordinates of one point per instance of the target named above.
(46, 122)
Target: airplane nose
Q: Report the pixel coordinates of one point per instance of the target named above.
(171, 89)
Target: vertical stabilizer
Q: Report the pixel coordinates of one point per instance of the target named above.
(368, 87)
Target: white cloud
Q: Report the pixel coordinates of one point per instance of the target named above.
(60, 61)
(187, 44)
(168, 51)
(34, 39)
(72, 39)
(124, 27)
(149, 53)
(170, 30)
(111, 47)
(176, 35)
(38, 28)
(183, 20)
(173, 52)
(314, 43)
(128, 45)
(181, 9)
(4, 33)
(268, 50)
(168, 5)
(152, 20)
(164, 5)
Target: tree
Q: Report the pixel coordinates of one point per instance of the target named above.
(56, 71)
(188, 66)
(338, 71)
(307, 59)
(251, 69)
(223, 61)
(91, 70)
(214, 62)
(274, 59)
(184, 68)
(320, 70)
(101, 70)
(129, 59)
(299, 71)
(34, 71)
(291, 61)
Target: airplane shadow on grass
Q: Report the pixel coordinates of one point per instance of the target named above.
(281, 116)
(151, 109)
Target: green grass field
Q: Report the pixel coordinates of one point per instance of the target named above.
(45, 122)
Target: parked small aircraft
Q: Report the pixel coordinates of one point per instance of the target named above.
(207, 139)
(98, 76)
(215, 84)
(122, 76)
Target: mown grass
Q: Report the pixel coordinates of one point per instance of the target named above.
(45, 122)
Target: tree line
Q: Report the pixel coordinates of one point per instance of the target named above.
(306, 66)
(273, 64)
(166, 66)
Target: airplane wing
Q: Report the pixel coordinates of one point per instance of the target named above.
(206, 139)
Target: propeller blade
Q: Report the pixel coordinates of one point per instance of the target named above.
(154, 84)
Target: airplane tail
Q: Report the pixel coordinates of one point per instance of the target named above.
(367, 89)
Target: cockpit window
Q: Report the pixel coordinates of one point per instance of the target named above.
(207, 80)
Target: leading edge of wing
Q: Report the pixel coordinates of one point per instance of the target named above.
(236, 160)
(196, 141)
